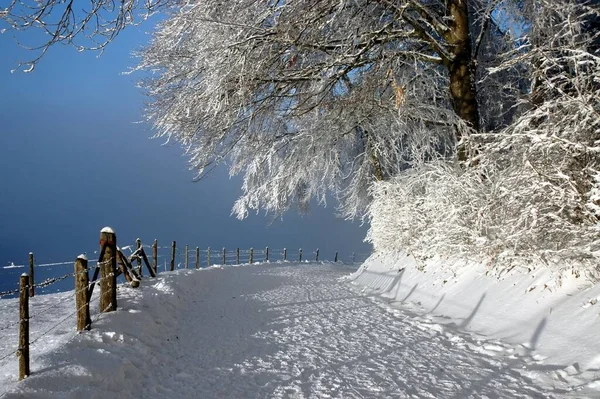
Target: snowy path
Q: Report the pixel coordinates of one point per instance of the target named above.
(272, 331)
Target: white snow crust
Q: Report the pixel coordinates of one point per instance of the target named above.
(287, 330)
(543, 317)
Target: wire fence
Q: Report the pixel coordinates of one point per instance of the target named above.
(45, 314)
(232, 256)
(42, 311)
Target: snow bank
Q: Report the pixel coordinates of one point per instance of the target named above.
(549, 316)
(99, 363)
(300, 330)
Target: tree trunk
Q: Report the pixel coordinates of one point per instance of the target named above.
(461, 68)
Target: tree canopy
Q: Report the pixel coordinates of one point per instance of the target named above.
(468, 125)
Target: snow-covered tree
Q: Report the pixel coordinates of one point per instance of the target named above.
(306, 97)
(535, 191)
(375, 101)
(316, 97)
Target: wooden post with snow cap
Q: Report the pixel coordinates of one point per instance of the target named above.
(31, 278)
(173, 249)
(336, 256)
(197, 258)
(266, 254)
(237, 256)
(300, 255)
(353, 256)
(155, 256)
(284, 254)
(138, 248)
(82, 304)
(251, 255)
(208, 257)
(187, 256)
(23, 351)
(224, 258)
(108, 271)
(317, 255)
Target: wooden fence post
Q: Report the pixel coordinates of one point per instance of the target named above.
(173, 249)
(150, 268)
(208, 257)
(82, 305)
(317, 255)
(23, 350)
(187, 258)
(237, 256)
(353, 257)
(251, 255)
(31, 279)
(300, 255)
(197, 258)
(336, 256)
(267, 254)
(224, 259)
(284, 254)
(155, 256)
(108, 271)
(138, 246)
(127, 269)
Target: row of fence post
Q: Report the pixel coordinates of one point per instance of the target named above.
(106, 269)
(224, 255)
(110, 256)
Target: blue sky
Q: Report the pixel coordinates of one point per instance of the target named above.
(72, 161)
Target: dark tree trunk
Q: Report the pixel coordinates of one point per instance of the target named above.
(461, 69)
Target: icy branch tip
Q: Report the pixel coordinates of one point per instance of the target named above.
(107, 230)
(82, 256)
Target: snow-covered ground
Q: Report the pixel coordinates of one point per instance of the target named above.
(272, 331)
(545, 318)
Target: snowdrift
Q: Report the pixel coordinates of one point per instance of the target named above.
(551, 317)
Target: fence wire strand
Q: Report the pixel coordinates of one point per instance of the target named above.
(9, 354)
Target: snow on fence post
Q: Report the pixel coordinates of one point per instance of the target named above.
(237, 256)
(224, 260)
(173, 249)
(336, 256)
(197, 258)
(267, 254)
(284, 254)
(23, 351)
(317, 255)
(82, 304)
(208, 257)
(155, 256)
(251, 255)
(138, 246)
(187, 257)
(31, 279)
(300, 255)
(108, 271)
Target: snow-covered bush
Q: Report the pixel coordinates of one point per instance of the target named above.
(534, 194)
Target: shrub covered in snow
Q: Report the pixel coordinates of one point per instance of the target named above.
(535, 192)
